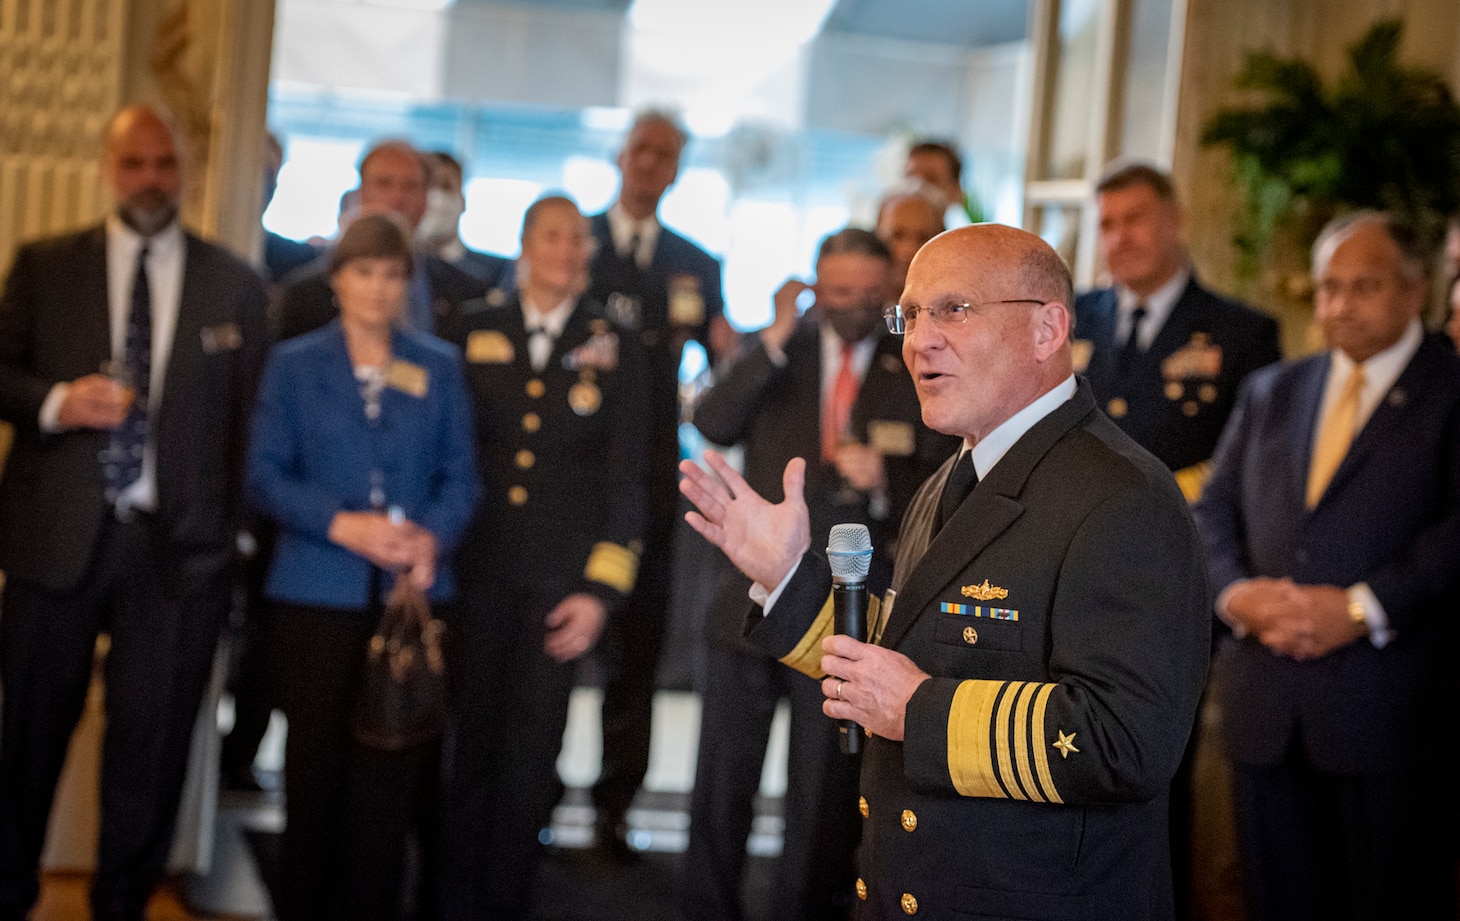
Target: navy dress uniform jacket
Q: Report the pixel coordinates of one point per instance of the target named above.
(1064, 617)
(561, 453)
(1390, 518)
(1177, 395)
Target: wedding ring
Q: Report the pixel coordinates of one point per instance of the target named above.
(839, 689)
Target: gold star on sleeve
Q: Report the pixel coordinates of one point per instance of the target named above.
(1065, 744)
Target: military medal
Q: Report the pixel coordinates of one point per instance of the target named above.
(585, 398)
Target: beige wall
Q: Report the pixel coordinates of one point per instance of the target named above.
(1218, 34)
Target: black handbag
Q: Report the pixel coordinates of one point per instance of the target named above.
(403, 686)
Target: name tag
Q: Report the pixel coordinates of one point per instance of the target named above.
(488, 346)
(225, 337)
(891, 438)
(686, 303)
(408, 378)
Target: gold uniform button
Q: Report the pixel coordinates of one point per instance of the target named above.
(909, 820)
(862, 806)
(1190, 408)
(517, 495)
(536, 388)
(909, 904)
(1117, 408)
(861, 889)
(525, 460)
(1174, 390)
(531, 422)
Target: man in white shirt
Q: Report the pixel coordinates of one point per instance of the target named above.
(1332, 528)
(1033, 673)
(129, 358)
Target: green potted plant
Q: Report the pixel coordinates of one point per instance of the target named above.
(1383, 135)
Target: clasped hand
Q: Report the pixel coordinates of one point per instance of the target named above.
(399, 546)
(1298, 621)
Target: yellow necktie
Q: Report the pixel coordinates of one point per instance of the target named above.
(1336, 434)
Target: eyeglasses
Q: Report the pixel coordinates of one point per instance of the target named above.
(901, 320)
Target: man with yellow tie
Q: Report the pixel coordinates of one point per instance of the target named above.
(1332, 529)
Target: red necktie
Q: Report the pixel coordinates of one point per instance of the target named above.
(838, 410)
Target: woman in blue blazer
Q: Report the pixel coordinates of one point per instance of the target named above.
(361, 453)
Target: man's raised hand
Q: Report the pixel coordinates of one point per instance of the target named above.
(762, 539)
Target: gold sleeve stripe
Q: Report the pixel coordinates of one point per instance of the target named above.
(970, 758)
(1002, 759)
(806, 656)
(1039, 744)
(1192, 480)
(1021, 751)
(612, 565)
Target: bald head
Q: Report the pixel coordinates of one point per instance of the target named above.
(992, 329)
(394, 176)
(142, 168)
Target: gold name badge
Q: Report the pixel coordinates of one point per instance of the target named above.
(406, 377)
(488, 346)
(686, 303)
(891, 438)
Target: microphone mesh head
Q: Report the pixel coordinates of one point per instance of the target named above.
(849, 550)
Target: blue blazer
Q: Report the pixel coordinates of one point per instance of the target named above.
(313, 452)
(1390, 518)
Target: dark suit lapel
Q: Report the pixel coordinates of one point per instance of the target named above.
(192, 317)
(1100, 332)
(1307, 402)
(93, 302)
(1389, 416)
(994, 505)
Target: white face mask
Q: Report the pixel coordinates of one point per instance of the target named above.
(443, 212)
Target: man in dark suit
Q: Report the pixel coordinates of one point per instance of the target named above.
(830, 388)
(394, 177)
(1332, 528)
(1164, 355)
(666, 291)
(118, 507)
(1028, 695)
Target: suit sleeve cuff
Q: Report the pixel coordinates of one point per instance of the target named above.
(50, 414)
(1374, 614)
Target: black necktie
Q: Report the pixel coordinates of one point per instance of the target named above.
(632, 253)
(122, 459)
(1132, 347)
(961, 480)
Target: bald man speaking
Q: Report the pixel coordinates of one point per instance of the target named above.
(1034, 673)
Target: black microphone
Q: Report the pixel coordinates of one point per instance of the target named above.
(849, 550)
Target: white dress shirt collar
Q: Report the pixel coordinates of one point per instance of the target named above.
(1158, 304)
(1381, 372)
(993, 446)
(623, 226)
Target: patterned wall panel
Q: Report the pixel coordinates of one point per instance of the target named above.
(61, 66)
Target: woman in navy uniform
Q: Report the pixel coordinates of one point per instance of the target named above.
(361, 454)
(559, 395)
